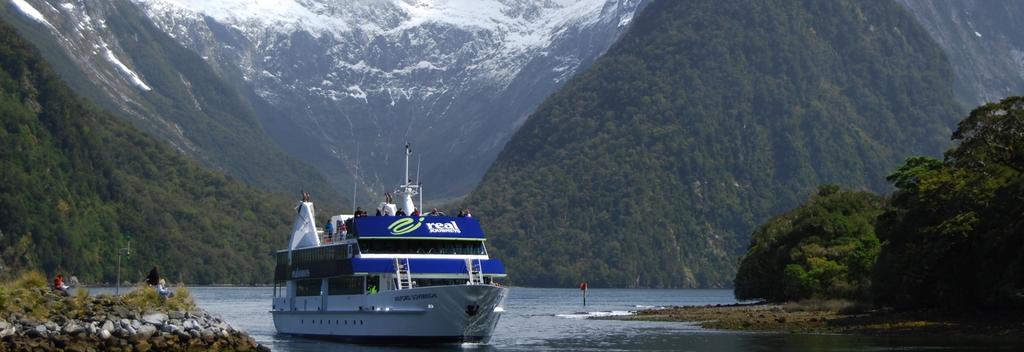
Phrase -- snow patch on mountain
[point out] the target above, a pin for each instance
(128, 73)
(31, 12)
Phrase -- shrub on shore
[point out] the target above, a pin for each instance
(824, 249)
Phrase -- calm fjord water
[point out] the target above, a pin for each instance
(551, 320)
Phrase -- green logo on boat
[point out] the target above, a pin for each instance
(405, 225)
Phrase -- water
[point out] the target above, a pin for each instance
(552, 320)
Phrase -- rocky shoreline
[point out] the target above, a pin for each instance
(836, 318)
(113, 323)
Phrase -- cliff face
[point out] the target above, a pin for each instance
(984, 41)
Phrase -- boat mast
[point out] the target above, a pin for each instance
(407, 189)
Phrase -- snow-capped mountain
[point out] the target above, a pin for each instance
(349, 82)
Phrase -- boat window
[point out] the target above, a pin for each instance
(404, 246)
(439, 282)
(345, 285)
(307, 287)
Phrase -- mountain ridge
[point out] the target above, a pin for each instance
(651, 168)
(111, 53)
(80, 183)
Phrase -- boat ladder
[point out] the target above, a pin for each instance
(475, 269)
(402, 274)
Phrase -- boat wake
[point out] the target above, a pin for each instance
(585, 315)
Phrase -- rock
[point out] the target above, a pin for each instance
(176, 315)
(155, 318)
(136, 324)
(120, 311)
(125, 323)
(60, 341)
(39, 331)
(104, 334)
(170, 328)
(146, 330)
(72, 328)
(108, 326)
(9, 331)
(51, 326)
(78, 347)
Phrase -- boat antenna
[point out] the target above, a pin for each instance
(408, 152)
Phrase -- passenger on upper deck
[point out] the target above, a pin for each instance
(329, 229)
(400, 212)
(467, 214)
(415, 212)
(435, 212)
(359, 212)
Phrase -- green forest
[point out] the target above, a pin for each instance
(951, 234)
(653, 167)
(826, 247)
(78, 183)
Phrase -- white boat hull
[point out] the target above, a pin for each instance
(458, 313)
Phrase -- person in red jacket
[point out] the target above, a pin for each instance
(58, 285)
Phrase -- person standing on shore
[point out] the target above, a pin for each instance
(58, 284)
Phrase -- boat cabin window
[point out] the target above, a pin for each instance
(438, 282)
(345, 285)
(307, 287)
(406, 246)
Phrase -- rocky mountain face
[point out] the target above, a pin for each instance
(349, 83)
(984, 41)
(111, 53)
(653, 167)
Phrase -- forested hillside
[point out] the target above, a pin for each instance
(184, 101)
(653, 167)
(951, 233)
(78, 183)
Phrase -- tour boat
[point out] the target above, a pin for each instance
(388, 279)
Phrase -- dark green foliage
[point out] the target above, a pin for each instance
(78, 183)
(652, 167)
(954, 235)
(824, 249)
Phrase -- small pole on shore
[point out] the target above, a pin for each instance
(126, 251)
(583, 287)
